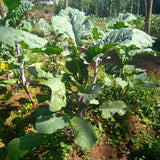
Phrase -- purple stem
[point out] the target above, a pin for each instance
(22, 73)
(7, 75)
(80, 106)
(95, 70)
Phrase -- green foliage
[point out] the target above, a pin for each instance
(49, 124)
(11, 37)
(26, 25)
(108, 96)
(11, 5)
(18, 147)
(43, 25)
(16, 11)
(85, 136)
(38, 72)
(128, 37)
(73, 24)
(91, 92)
(109, 108)
(121, 21)
(95, 33)
(58, 97)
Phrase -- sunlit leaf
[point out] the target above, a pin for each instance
(58, 97)
(109, 108)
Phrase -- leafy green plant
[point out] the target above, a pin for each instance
(74, 26)
(16, 11)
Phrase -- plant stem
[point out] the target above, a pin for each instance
(22, 73)
(7, 75)
(95, 70)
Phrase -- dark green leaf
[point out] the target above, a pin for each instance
(19, 147)
(85, 135)
(51, 123)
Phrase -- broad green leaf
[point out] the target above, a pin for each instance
(92, 52)
(19, 147)
(15, 14)
(73, 24)
(91, 92)
(141, 76)
(128, 37)
(11, 5)
(43, 25)
(121, 82)
(51, 123)
(11, 37)
(109, 108)
(85, 136)
(125, 18)
(79, 69)
(58, 97)
(26, 25)
(95, 50)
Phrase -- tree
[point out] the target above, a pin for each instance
(66, 3)
(138, 6)
(148, 15)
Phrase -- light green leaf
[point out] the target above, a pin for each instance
(11, 37)
(43, 25)
(124, 18)
(10, 81)
(19, 147)
(26, 25)
(121, 82)
(73, 24)
(109, 108)
(142, 76)
(94, 101)
(49, 124)
(108, 81)
(128, 37)
(85, 136)
(58, 97)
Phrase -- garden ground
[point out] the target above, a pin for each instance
(13, 125)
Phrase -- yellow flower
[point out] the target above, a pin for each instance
(3, 65)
